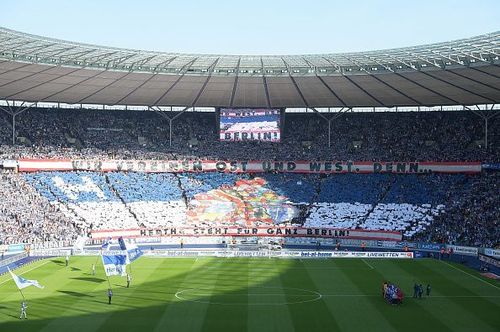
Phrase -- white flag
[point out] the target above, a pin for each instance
(23, 283)
(80, 243)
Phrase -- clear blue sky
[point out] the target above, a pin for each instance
(253, 26)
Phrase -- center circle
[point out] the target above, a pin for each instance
(256, 296)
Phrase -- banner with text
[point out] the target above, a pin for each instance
(280, 254)
(462, 250)
(489, 260)
(249, 232)
(255, 166)
(491, 252)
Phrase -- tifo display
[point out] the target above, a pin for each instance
(388, 206)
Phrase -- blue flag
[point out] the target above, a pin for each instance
(115, 265)
(133, 251)
(122, 244)
(106, 245)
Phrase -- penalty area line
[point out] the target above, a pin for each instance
(430, 297)
(33, 268)
(369, 265)
(471, 275)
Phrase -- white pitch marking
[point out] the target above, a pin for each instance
(471, 275)
(36, 267)
(432, 296)
(318, 296)
(369, 265)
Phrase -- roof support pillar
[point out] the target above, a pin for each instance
(486, 133)
(170, 120)
(14, 113)
(336, 116)
(330, 119)
(193, 104)
(170, 132)
(329, 132)
(13, 129)
(485, 115)
(10, 113)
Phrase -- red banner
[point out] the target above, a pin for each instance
(254, 166)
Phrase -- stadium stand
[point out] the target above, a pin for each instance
(153, 199)
(436, 136)
(473, 213)
(456, 208)
(26, 216)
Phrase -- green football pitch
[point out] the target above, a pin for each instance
(250, 294)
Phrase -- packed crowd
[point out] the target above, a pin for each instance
(460, 209)
(26, 216)
(436, 136)
(58, 206)
(473, 213)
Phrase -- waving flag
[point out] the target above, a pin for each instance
(106, 245)
(115, 265)
(23, 283)
(133, 251)
(80, 243)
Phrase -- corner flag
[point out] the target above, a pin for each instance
(23, 283)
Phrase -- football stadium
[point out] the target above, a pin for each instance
(160, 191)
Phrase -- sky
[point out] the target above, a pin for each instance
(253, 26)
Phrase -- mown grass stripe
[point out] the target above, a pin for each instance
(410, 314)
(470, 312)
(59, 306)
(353, 313)
(230, 279)
(310, 316)
(263, 279)
(143, 317)
(89, 293)
(179, 315)
(72, 302)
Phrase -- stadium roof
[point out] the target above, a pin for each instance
(461, 72)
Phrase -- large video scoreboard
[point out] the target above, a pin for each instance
(245, 124)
